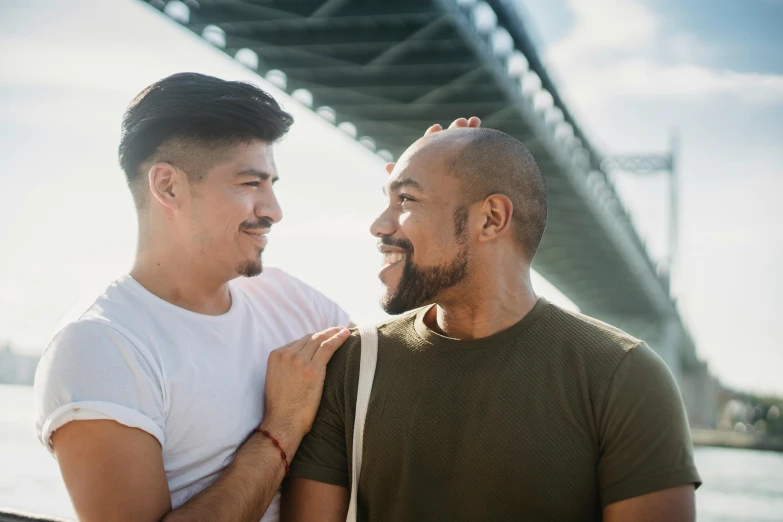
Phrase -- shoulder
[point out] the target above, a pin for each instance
(121, 306)
(345, 361)
(98, 303)
(396, 329)
(347, 357)
(112, 324)
(588, 335)
(90, 344)
(98, 315)
(587, 350)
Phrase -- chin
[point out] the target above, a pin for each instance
(393, 305)
(250, 268)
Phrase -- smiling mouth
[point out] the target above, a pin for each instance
(258, 236)
(391, 258)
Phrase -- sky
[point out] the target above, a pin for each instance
(632, 71)
(629, 70)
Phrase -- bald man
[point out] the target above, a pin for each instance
(489, 402)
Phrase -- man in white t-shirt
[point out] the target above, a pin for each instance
(150, 395)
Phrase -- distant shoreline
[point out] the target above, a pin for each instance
(733, 439)
(700, 437)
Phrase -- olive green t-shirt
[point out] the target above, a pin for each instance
(551, 419)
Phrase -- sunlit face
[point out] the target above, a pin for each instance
(233, 209)
(422, 232)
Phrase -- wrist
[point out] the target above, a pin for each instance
(285, 434)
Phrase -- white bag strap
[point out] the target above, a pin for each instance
(369, 356)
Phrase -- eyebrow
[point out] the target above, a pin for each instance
(397, 184)
(260, 174)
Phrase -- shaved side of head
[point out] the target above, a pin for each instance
(194, 122)
(486, 162)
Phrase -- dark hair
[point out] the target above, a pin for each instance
(200, 111)
(492, 162)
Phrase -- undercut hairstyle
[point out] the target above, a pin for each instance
(492, 162)
(191, 121)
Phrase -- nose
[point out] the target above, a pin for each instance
(384, 225)
(268, 208)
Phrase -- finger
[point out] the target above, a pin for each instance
(310, 347)
(295, 346)
(328, 347)
(389, 167)
(474, 122)
(459, 122)
(434, 128)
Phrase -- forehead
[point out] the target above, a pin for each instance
(253, 155)
(425, 169)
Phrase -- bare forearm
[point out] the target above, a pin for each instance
(247, 486)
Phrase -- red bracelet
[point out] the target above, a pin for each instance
(277, 445)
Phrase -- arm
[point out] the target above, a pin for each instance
(111, 471)
(306, 500)
(114, 472)
(319, 485)
(247, 486)
(676, 504)
(646, 470)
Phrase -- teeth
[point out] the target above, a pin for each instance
(392, 257)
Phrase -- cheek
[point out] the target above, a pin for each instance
(233, 209)
(425, 232)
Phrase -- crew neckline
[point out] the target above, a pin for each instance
(142, 292)
(442, 341)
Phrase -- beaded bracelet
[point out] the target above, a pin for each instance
(277, 445)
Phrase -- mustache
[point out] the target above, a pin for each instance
(399, 243)
(252, 225)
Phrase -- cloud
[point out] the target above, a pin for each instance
(601, 25)
(616, 48)
(644, 78)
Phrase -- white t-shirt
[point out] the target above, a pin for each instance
(195, 382)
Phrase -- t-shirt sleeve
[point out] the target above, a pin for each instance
(91, 371)
(322, 456)
(645, 443)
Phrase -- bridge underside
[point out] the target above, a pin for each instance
(392, 68)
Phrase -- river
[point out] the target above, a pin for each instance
(739, 485)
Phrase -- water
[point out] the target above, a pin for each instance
(739, 485)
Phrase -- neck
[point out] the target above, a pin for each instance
(485, 307)
(179, 278)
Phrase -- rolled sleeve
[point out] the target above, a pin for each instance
(96, 410)
(91, 371)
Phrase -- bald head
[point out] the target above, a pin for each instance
(486, 162)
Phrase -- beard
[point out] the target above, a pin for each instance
(250, 268)
(419, 285)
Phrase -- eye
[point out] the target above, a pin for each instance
(404, 198)
(252, 184)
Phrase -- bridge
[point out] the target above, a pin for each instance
(381, 71)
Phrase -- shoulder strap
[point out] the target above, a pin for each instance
(369, 356)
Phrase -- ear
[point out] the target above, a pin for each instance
(167, 184)
(497, 210)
